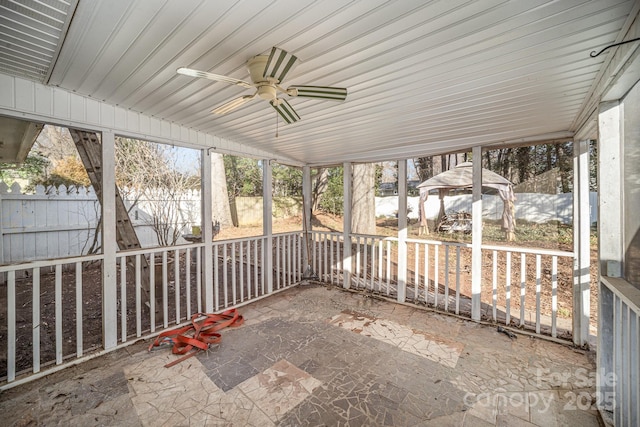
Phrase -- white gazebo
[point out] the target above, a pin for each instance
(462, 177)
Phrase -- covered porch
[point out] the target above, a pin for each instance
(354, 321)
(320, 355)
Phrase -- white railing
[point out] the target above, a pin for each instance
(158, 288)
(326, 255)
(618, 388)
(520, 286)
(53, 320)
(287, 259)
(44, 304)
(374, 264)
(529, 287)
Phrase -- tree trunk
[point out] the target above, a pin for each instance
(320, 184)
(221, 210)
(363, 203)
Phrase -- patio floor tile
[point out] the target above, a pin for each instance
(316, 356)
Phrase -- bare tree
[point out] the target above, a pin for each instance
(363, 220)
(149, 178)
(320, 184)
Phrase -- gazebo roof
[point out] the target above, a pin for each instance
(462, 177)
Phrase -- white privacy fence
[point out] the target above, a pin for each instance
(61, 221)
(532, 207)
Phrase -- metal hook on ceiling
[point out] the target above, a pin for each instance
(593, 53)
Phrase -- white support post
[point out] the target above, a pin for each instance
(476, 236)
(402, 231)
(347, 264)
(306, 206)
(610, 242)
(207, 232)
(581, 244)
(267, 222)
(109, 244)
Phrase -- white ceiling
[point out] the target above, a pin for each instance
(424, 77)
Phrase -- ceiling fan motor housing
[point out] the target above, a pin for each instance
(266, 86)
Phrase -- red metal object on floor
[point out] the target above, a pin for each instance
(202, 332)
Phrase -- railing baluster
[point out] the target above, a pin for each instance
(152, 291)
(436, 273)
(494, 286)
(426, 273)
(457, 279)
(35, 300)
(373, 263)
(538, 284)
(11, 325)
(446, 278)
(358, 258)
(523, 284)
(249, 269)
(278, 269)
(290, 253)
(554, 295)
(241, 271)
(123, 298)
(234, 291)
(326, 257)
(176, 281)
(255, 267)
(332, 245)
(380, 262)
(314, 242)
(138, 297)
(216, 280)
(508, 290)
(79, 318)
(365, 262)
(263, 264)
(58, 309)
(165, 290)
(225, 288)
(416, 271)
(388, 267)
(300, 268)
(187, 280)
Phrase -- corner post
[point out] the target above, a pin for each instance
(306, 217)
(581, 244)
(267, 221)
(207, 232)
(402, 231)
(476, 236)
(346, 236)
(109, 244)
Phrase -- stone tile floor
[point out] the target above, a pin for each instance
(318, 356)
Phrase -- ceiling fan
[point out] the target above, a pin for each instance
(267, 73)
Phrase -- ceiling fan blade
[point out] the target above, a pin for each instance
(233, 104)
(285, 110)
(323, 92)
(279, 64)
(217, 77)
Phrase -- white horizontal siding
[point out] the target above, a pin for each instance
(33, 101)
